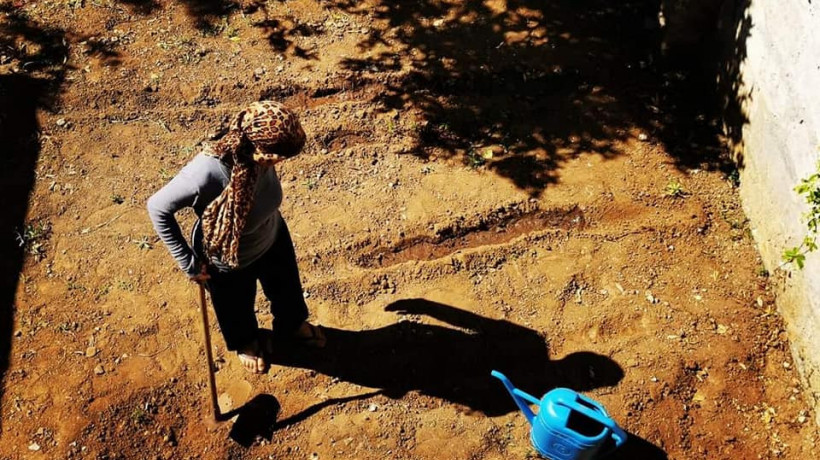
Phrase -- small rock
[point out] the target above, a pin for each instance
(18, 333)
(61, 122)
(34, 446)
(99, 370)
(90, 351)
(373, 408)
(642, 137)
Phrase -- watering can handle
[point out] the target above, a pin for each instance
(618, 433)
(517, 396)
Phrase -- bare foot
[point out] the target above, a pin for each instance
(310, 335)
(252, 358)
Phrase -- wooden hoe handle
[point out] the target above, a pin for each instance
(208, 354)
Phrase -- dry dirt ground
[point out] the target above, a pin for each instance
(517, 185)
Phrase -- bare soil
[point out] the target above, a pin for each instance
(513, 185)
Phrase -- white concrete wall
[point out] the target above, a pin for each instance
(781, 145)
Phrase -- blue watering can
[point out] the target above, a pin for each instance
(569, 426)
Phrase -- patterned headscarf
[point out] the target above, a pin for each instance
(266, 129)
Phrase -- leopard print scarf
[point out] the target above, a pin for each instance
(263, 131)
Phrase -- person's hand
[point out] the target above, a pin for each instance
(202, 276)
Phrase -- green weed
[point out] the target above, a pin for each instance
(810, 188)
(675, 189)
(144, 243)
(124, 285)
(165, 175)
(475, 159)
(68, 327)
(734, 178)
(213, 29)
(75, 286)
(140, 417)
(32, 238)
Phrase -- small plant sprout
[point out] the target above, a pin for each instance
(116, 198)
(675, 189)
(810, 188)
(734, 178)
(75, 286)
(143, 243)
(125, 285)
(232, 33)
(164, 174)
(140, 416)
(475, 158)
(32, 238)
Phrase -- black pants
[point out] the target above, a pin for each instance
(233, 294)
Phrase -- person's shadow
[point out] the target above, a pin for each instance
(450, 362)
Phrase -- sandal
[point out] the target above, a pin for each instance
(315, 338)
(252, 358)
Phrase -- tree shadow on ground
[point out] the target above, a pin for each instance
(211, 17)
(733, 29)
(31, 76)
(142, 7)
(208, 15)
(704, 94)
(524, 86)
(453, 361)
(542, 82)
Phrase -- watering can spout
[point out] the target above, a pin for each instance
(521, 399)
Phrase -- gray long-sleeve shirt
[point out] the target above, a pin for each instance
(196, 185)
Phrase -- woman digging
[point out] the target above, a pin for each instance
(240, 236)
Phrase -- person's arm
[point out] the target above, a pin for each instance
(180, 193)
